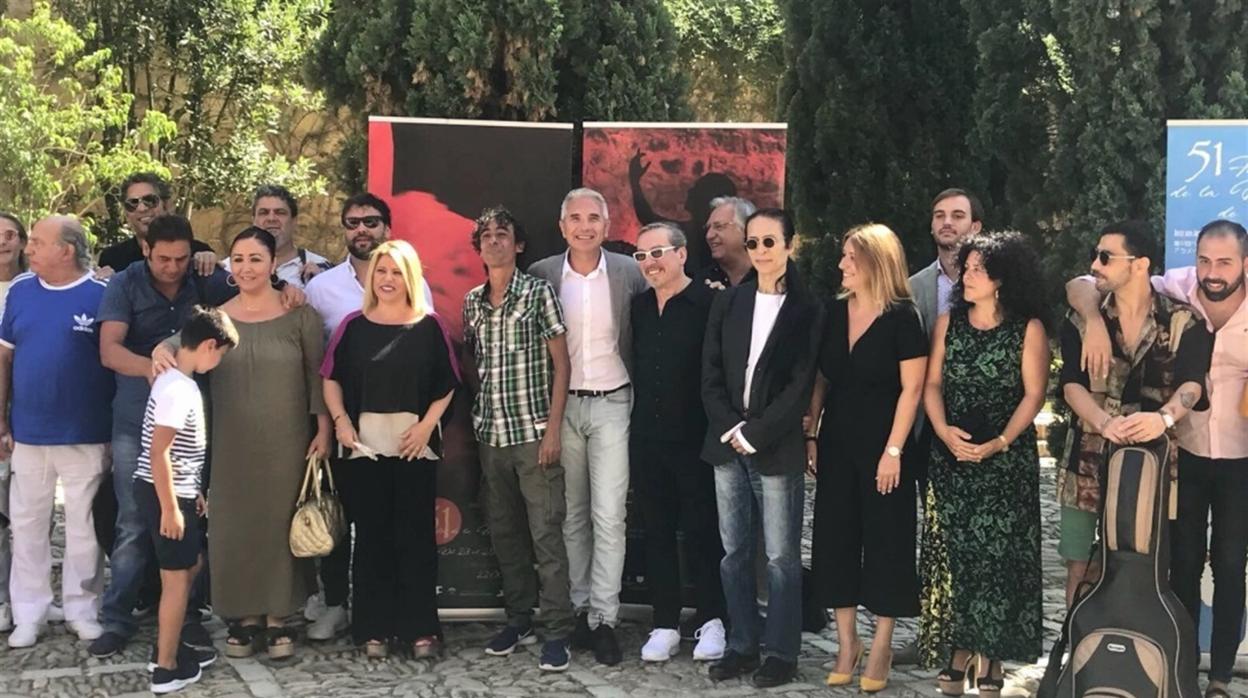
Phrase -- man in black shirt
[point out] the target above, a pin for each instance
(725, 237)
(144, 196)
(675, 488)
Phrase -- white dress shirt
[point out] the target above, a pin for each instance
(336, 293)
(593, 338)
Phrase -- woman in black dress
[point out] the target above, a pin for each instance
(388, 382)
(870, 379)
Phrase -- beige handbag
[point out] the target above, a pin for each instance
(319, 522)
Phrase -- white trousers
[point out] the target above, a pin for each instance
(80, 468)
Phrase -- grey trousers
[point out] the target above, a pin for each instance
(525, 508)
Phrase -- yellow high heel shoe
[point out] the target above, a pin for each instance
(870, 685)
(836, 678)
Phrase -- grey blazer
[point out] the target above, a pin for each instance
(924, 286)
(625, 281)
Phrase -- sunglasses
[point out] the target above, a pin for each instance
(653, 253)
(147, 200)
(1105, 255)
(753, 243)
(354, 222)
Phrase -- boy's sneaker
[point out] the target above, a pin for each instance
(711, 641)
(663, 644)
(505, 642)
(56, 614)
(107, 645)
(203, 656)
(170, 680)
(25, 635)
(332, 621)
(195, 634)
(315, 607)
(555, 656)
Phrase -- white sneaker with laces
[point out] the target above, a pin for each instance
(85, 629)
(711, 641)
(25, 635)
(663, 644)
(333, 620)
(6, 617)
(315, 607)
(56, 614)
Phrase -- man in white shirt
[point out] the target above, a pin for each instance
(596, 288)
(336, 294)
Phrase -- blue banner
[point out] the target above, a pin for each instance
(1206, 179)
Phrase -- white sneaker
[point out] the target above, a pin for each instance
(6, 617)
(85, 629)
(711, 641)
(333, 620)
(663, 644)
(56, 614)
(25, 635)
(315, 607)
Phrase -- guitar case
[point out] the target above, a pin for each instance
(1129, 635)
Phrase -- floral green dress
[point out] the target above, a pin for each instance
(980, 560)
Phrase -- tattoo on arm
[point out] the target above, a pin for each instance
(1188, 398)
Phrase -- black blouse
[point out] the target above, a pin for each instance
(864, 384)
(390, 368)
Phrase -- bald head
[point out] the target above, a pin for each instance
(58, 248)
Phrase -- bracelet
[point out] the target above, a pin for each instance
(1005, 444)
(812, 437)
(339, 417)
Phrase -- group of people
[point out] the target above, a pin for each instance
(716, 391)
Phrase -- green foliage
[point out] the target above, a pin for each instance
(228, 75)
(58, 98)
(527, 60)
(877, 98)
(733, 51)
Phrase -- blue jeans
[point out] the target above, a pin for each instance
(132, 547)
(745, 497)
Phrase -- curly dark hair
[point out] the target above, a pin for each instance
(1008, 258)
(498, 215)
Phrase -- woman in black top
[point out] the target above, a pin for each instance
(871, 370)
(389, 379)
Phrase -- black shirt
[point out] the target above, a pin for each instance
(127, 252)
(390, 368)
(667, 364)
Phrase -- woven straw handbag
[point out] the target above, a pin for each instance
(319, 522)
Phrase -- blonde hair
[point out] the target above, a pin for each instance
(405, 257)
(879, 254)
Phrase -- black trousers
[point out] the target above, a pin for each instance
(396, 558)
(1219, 486)
(335, 567)
(677, 491)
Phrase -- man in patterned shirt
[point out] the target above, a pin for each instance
(514, 325)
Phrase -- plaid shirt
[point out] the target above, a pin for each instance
(509, 343)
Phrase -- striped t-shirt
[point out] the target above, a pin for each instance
(175, 401)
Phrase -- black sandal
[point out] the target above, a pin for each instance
(240, 643)
(953, 682)
(278, 649)
(990, 686)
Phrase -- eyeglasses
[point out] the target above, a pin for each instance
(147, 200)
(369, 222)
(654, 252)
(1105, 255)
(753, 243)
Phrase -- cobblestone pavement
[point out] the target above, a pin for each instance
(60, 666)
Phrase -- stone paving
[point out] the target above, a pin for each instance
(60, 666)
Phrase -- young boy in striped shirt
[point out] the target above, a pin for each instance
(167, 488)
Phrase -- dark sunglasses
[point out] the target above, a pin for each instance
(753, 243)
(148, 201)
(1105, 255)
(369, 222)
(654, 253)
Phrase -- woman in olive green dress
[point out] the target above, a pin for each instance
(986, 380)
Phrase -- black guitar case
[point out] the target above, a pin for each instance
(1129, 635)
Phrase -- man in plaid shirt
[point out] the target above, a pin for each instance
(514, 325)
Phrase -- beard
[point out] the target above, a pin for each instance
(1226, 290)
(363, 253)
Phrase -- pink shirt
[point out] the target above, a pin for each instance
(1220, 431)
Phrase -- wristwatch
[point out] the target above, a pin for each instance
(893, 452)
(1167, 418)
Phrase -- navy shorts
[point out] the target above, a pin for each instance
(170, 554)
